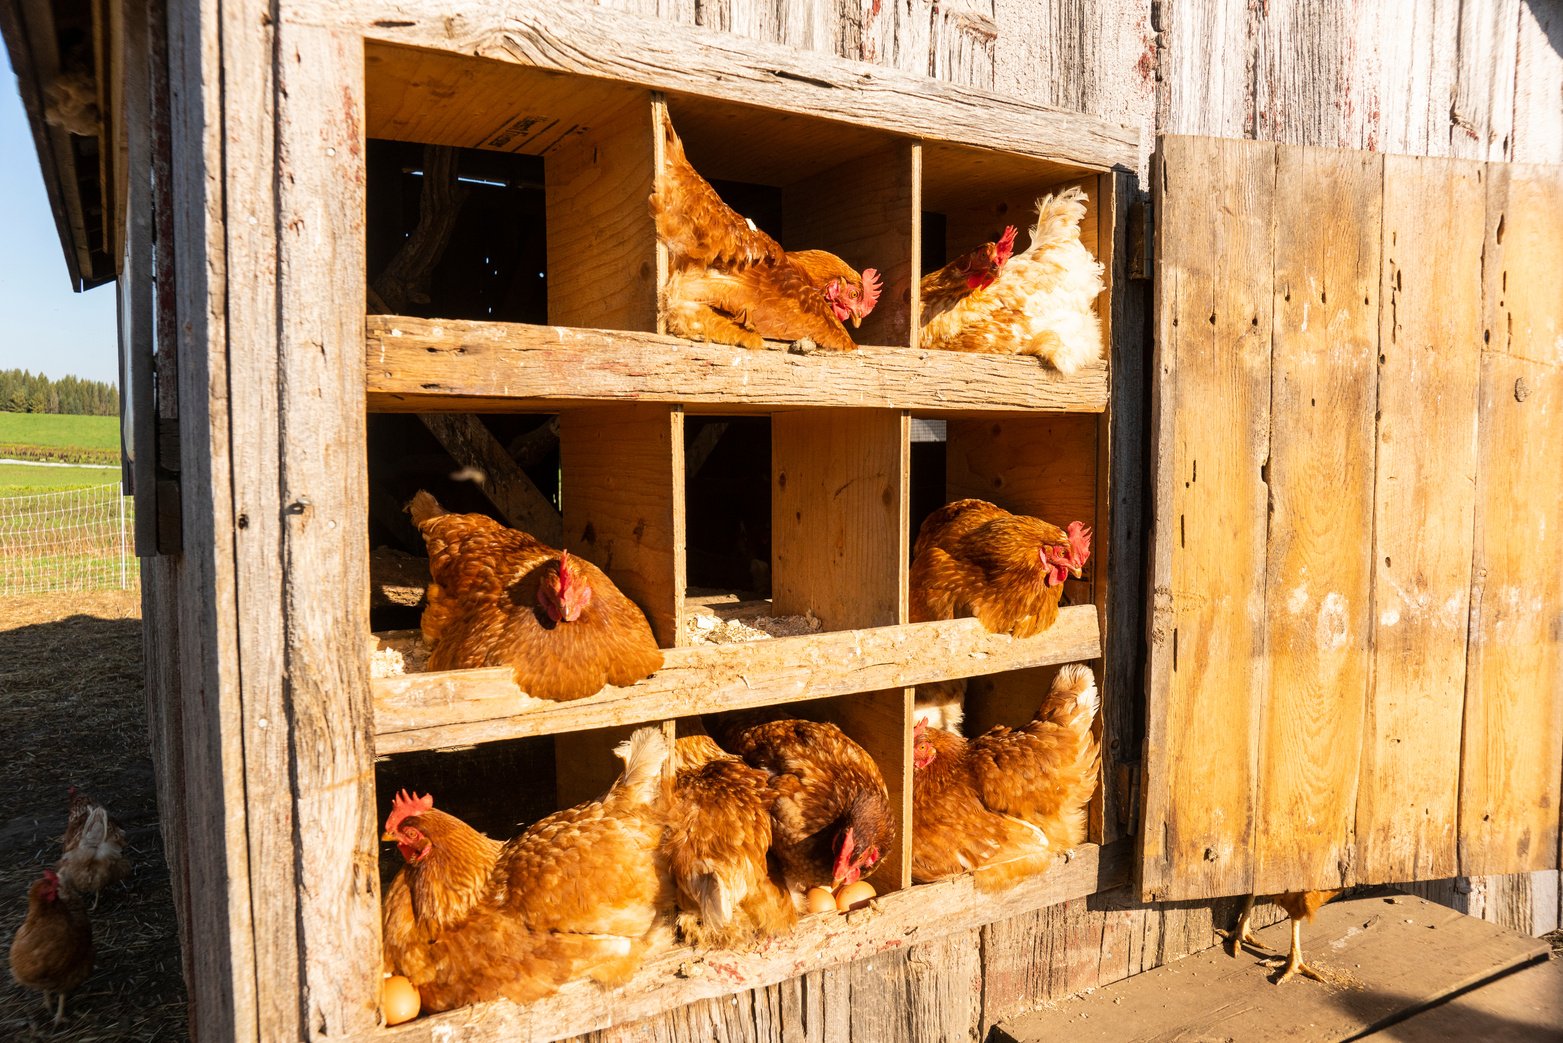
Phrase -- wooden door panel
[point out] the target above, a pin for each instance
(1356, 646)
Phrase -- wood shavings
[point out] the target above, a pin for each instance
(707, 628)
(398, 657)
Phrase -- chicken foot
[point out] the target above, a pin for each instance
(1242, 933)
(1294, 959)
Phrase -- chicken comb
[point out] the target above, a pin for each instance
(919, 730)
(1006, 243)
(1079, 542)
(405, 806)
(871, 288)
(565, 575)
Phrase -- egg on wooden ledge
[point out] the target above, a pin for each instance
(820, 900)
(854, 895)
(399, 999)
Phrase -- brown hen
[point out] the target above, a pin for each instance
(941, 290)
(92, 853)
(581, 893)
(830, 809)
(718, 843)
(52, 950)
(1008, 570)
(1010, 799)
(498, 597)
(731, 283)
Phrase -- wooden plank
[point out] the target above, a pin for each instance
(917, 915)
(322, 499)
(1211, 428)
(564, 37)
(1524, 1006)
(1319, 573)
(458, 707)
(222, 987)
(622, 491)
(507, 487)
(839, 543)
(1513, 739)
(1397, 952)
(601, 240)
(426, 365)
(1424, 500)
(137, 333)
(866, 211)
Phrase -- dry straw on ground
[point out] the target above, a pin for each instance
(73, 712)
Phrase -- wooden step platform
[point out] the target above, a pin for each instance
(1391, 957)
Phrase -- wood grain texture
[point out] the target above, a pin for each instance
(908, 918)
(1429, 344)
(1513, 724)
(840, 486)
(513, 494)
(422, 365)
(1212, 422)
(622, 493)
(602, 245)
(562, 37)
(458, 707)
(1319, 563)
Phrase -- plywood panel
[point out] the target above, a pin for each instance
(622, 497)
(1424, 499)
(602, 245)
(1509, 793)
(1207, 641)
(867, 212)
(1319, 554)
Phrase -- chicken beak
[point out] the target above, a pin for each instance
(388, 836)
(1074, 570)
(857, 320)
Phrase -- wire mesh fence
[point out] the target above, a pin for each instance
(75, 539)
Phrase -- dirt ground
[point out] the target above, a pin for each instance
(72, 713)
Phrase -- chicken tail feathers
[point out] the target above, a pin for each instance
(643, 755)
(1075, 688)
(423, 507)
(1058, 218)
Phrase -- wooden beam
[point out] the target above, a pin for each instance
(567, 37)
(683, 975)
(460, 707)
(431, 365)
(513, 494)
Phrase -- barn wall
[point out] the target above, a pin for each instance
(1479, 79)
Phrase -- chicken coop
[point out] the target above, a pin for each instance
(1320, 454)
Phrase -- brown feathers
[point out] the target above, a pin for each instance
(498, 597)
(581, 893)
(733, 284)
(975, 559)
(1010, 797)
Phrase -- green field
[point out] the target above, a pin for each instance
(50, 429)
(19, 479)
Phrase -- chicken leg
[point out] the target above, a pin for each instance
(1242, 933)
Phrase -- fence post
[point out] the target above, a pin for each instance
(122, 584)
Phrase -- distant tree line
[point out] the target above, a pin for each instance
(24, 392)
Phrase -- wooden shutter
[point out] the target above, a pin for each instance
(1356, 648)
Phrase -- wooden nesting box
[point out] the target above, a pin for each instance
(1353, 668)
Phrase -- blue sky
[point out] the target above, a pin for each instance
(49, 327)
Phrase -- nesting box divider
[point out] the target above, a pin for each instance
(622, 496)
(867, 211)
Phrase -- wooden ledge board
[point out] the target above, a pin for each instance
(425, 365)
(918, 914)
(1393, 953)
(1524, 1006)
(442, 709)
(691, 60)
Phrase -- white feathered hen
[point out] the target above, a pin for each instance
(1040, 302)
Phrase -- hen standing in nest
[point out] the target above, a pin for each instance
(731, 283)
(1038, 302)
(498, 597)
